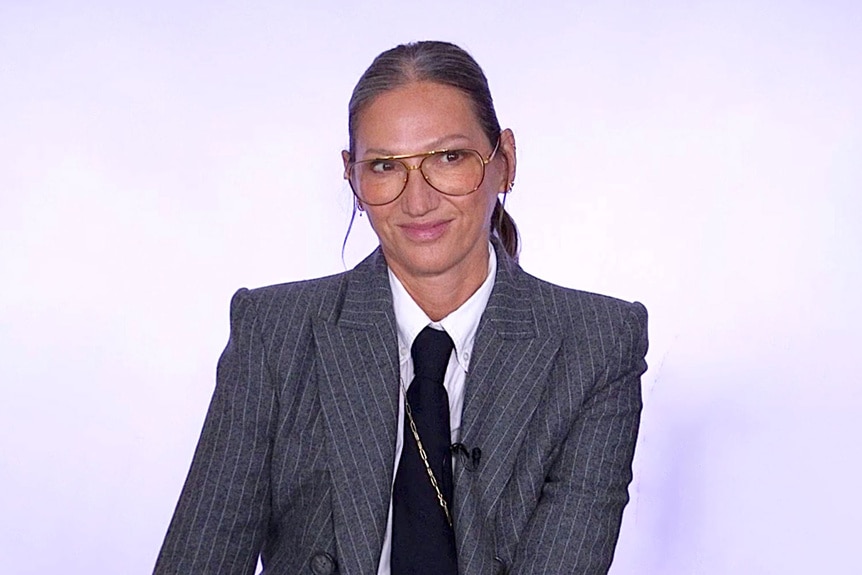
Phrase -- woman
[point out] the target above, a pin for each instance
(435, 409)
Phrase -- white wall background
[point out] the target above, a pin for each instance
(702, 157)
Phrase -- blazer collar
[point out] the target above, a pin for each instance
(509, 313)
(367, 298)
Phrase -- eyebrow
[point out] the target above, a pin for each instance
(438, 144)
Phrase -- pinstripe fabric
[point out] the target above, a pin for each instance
(297, 451)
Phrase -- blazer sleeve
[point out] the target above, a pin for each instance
(575, 526)
(220, 521)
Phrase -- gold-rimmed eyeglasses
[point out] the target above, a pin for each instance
(380, 181)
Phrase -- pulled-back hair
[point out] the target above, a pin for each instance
(441, 63)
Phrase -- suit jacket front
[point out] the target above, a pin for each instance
(296, 456)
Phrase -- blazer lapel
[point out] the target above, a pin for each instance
(358, 371)
(511, 358)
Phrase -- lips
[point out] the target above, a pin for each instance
(426, 231)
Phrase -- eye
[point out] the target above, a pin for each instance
(382, 166)
(452, 156)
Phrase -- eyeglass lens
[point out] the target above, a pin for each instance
(453, 172)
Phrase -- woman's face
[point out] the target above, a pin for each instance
(425, 234)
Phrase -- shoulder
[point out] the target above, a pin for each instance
(587, 320)
(579, 305)
(288, 306)
(556, 309)
(311, 295)
(324, 297)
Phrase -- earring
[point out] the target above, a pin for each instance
(511, 185)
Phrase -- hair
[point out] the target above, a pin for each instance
(441, 63)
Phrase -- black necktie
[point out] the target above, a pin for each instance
(423, 541)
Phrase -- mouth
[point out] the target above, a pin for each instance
(426, 231)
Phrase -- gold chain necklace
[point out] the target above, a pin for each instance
(424, 456)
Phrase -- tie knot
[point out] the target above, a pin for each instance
(431, 350)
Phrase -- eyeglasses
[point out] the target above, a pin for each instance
(380, 181)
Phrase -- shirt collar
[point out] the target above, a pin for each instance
(461, 324)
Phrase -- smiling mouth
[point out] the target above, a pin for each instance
(425, 232)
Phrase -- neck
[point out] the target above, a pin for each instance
(440, 295)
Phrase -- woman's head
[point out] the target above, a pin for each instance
(411, 79)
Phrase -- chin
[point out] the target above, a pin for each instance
(426, 264)
(427, 261)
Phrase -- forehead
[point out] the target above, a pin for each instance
(410, 118)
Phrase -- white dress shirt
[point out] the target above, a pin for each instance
(461, 325)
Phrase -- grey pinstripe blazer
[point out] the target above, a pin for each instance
(295, 460)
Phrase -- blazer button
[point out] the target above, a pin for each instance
(500, 567)
(322, 563)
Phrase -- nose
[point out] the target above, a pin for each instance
(418, 197)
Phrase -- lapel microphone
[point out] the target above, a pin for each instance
(471, 458)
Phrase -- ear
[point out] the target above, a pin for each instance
(345, 157)
(507, 147)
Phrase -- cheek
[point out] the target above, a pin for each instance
(381, 219)
(374, 217)
(486, 203)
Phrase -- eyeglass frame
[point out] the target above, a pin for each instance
(409, 168)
